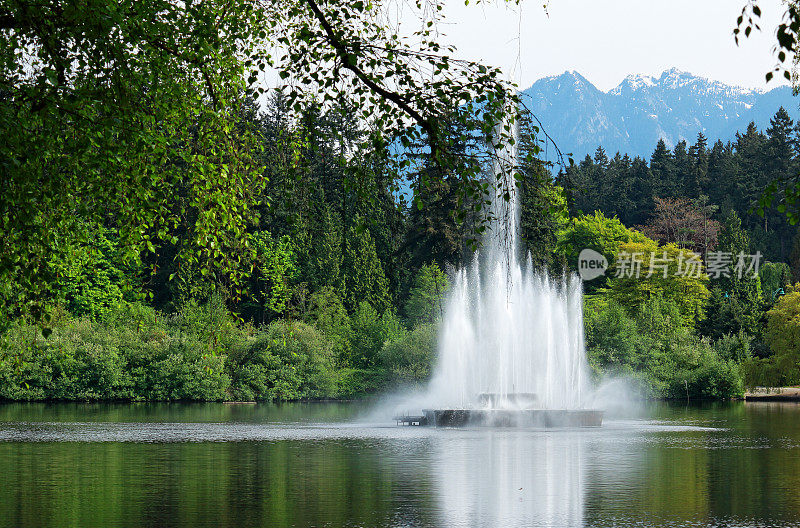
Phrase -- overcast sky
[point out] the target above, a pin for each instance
(605, 40)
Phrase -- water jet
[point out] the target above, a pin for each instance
(511, 343)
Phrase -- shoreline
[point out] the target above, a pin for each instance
(775, 394)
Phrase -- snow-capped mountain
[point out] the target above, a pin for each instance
(633, 116)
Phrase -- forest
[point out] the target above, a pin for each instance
(171, 229)
(341, 285)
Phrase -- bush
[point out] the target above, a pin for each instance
(655, 345)
(369, 333)
(763, 372)
(288, 361)
(715, 379)
(354, 383)
(136, 357)
(408, 359)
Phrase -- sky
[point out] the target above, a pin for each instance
(606, 40)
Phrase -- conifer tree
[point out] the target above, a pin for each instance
(364, 278)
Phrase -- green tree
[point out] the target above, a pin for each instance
(735, 304)
(596, 232)
(274, 267)
(633, 284)
(370, 331)
(132, 110)
(783, 335)
(427, 297)
(542, 205)
(90, 276)
(364, 278)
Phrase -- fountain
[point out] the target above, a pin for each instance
(511, 349)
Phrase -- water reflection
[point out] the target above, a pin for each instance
(511, 478)
(269, 466)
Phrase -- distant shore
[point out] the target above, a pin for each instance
(773, 394)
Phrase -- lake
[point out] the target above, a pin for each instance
(336, 464)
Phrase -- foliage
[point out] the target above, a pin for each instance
(682, 194)
(660, 277)
(715, 379)
(427, 297)
(129, 108)
(409, 358)
(654, 343)
(136, 108)
(370, 330)
(782, 334)
(274, 268)
(597, 232)
(288, 361)
(89, 276)
(143, 357)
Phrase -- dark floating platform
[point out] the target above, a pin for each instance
(513, 418)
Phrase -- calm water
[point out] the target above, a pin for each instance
(331, 465)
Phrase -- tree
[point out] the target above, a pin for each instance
(662, 167)
(683, 223)
(427, 297)
(132, 110)
(90, 277)
(129, 107)
(662, 272)
(734, 307)
(364, 279)
(783, 335)
(274, 267)
(775, 276)
(542, 205)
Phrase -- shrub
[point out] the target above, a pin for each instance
(763, 372)
(354, 383)
(369, 333)
(408, 359)
(288, 361)
(120, 358)
(654, 344)
(715, 379)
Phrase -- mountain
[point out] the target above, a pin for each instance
(633, 116)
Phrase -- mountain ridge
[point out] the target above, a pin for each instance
(631, 117)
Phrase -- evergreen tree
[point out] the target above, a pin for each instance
(735, 303)
(662, 169)
(543, 208)
(699, 158)
(364, 278)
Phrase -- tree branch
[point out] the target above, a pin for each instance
(394, 97)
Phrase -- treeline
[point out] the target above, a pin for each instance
(335, 286)
(733, 325)
(718, 178)
(333, 290)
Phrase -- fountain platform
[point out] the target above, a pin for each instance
(513, 418)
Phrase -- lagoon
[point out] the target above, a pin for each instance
(342, 464)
